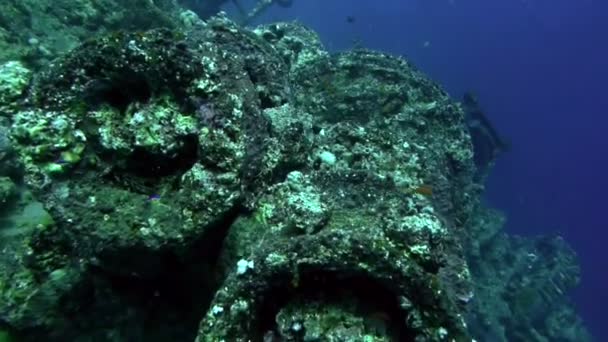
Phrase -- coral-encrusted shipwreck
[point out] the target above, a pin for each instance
(251, 180)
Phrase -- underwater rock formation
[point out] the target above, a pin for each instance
(36, 31)
(520, 285)
(221, 184)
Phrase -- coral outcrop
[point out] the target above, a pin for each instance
(223, 184)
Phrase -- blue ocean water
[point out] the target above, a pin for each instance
(540, 70)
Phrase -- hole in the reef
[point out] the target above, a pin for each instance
(147, 165)
(177, 291)
(370, 296)
(118, 91)
(265, 101)
(168, 304)
(251, 72)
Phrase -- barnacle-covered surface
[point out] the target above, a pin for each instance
(296, 44)
(221, 184)
(354, 202)
(141, 146)
(123, 139)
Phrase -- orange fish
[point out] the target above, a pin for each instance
(424, 189)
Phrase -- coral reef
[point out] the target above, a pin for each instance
(37, 31)
(520, 285)
(14, 78)
(214, 183)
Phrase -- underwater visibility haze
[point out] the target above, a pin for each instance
(303, 170)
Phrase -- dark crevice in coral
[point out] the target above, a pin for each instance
(119, 91)
(143, 164)
(264, 97)
(170, 301)
(370, 297)
(266, 102)
(180, 292)
(145, 173)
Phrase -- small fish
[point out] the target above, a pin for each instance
(465, 298)
(424, 189)
(154, 197)
(350, 19)
(60, 161)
